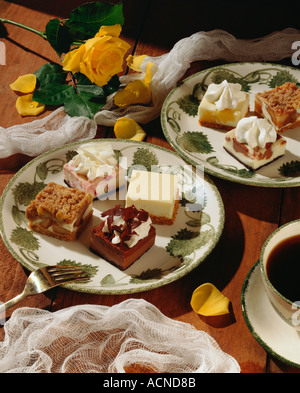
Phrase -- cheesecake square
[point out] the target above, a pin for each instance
(280, 106)
(223, 105)
(59, 212)
(254, 143)
(156, 193)
(124, 235)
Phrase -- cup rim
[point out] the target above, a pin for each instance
(262, 267)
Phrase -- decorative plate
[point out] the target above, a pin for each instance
(272, 333)
(204, 146)
(178, 249)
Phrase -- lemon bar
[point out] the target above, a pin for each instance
(223, 105)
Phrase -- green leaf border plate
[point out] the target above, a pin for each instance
(179, 248)
(278, 338)
(204, 146)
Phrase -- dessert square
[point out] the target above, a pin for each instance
(123, 236)
(223, 105)
(254, 143)
(156, 193)
(95, 169)
(59, 212)
(280, 106)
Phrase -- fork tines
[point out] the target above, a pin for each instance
(63, 273)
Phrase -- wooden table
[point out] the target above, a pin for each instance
(252, 213)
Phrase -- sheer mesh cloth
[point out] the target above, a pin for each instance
(133, 334)
(58, 128)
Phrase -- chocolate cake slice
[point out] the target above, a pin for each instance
(123, 236)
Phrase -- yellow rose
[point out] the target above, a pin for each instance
(100, 57)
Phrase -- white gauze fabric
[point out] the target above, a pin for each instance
(101, 339)
(58, 128)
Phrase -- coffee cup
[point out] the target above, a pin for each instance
(280, 270)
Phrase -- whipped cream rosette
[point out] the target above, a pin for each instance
(223, 105)
(254, 142)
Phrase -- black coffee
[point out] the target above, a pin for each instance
(283, 268)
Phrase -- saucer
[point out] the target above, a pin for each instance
(267, 327)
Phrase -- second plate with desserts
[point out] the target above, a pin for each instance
(203, 146)
(179, 248)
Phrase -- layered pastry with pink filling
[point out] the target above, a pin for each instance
(95, 169)
(254, 142)
(123, 236)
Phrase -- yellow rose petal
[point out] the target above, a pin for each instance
(26, 107)
(126, 128)
(24, 84)
(136, 92)
(134, 62)
(207, 300)
(148, 74)
(114, 31)
(72, 59)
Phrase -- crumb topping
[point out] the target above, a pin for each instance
(60, 203)
(284, 99)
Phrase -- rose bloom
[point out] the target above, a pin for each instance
(100, 57)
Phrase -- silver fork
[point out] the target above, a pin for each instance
(45, 278)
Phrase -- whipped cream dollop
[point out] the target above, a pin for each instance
(126, 225)
(255, 131)
(96, 159)
(225, 95)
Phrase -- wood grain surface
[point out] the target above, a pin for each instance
(251, 213)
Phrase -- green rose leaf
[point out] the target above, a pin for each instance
(85, 21)
(76, 105)
(53, 94)
(50, 72)
(82, 98)
(86, 102)
(112, 85)
(90, 91)
(58, 36)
